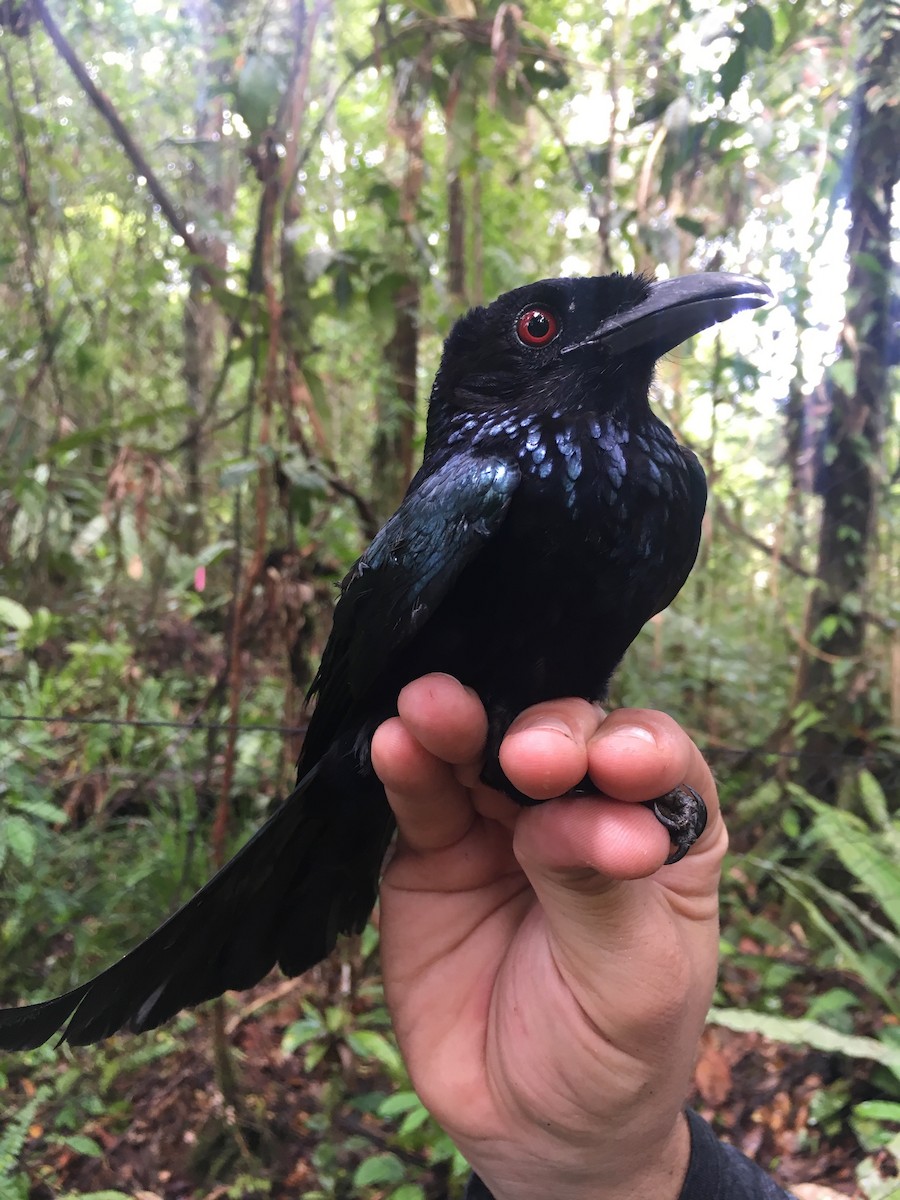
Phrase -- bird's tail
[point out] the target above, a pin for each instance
(309, 873)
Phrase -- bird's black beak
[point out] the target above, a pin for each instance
(675, 310)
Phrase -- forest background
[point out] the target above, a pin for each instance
(232, 237)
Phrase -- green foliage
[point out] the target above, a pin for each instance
(320, 1033)
(13, 1183)
(140, 443)
(54, 876)
(804, 1032)
(67, 1097)
(856, 931)
(106, 1194)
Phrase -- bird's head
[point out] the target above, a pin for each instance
(563, 344)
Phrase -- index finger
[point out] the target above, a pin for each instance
(441, 725)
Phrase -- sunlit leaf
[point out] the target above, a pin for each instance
(13, 614)
(801, 1032)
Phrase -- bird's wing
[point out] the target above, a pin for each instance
(692, 525)
(446, 518)
(226, 936)
(308, 873)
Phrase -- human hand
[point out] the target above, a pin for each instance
(548, 977)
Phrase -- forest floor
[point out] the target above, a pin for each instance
(149, 1119)
(167, 1133)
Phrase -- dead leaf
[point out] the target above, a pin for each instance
(713, 1072)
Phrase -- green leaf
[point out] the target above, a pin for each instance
(399, 1103)
(90, 535)
(758, 28)
(408, 1191)
(112, 430)
(807, 720)
(20, 837)
(367, 1043)
(42, 809)
(793, 1031)
(303, 476)
(382, 295)
(878, 1110)
(829, 1103)
(691, 226)
(413, 1121)
(237, 472)
(718, 130)
(382, 1168)
(858, 850)
(335, 1018)
(843, 374)
(209, 554)
(257, 90)
(835, 1001)
(873, 798)
(314, 1055)
(107, 1195)
(13, 614)
(875, 1124)
(85, 358)
(733, 71)
(300, 1033)
(868, 262)
(827, 628)
(799, 885)
(80, 1143)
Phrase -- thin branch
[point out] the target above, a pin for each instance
(50, 332)
(471, 31)
(295, 102)
(104, 106)
(294, 107)
(886, 624)
(556, 129)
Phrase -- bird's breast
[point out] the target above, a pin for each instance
(597, 481)
(580, 562)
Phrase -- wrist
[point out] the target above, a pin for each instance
(657, 1168)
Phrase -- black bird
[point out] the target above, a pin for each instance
(552, 516)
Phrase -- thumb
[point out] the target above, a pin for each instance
(589, 861)
(637, 964)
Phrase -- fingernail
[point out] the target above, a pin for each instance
(637, 732)
(544, 724)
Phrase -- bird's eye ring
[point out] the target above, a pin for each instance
(537, 327)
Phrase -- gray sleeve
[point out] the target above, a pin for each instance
(716, 1171)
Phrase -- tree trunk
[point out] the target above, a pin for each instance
(456, 240)
(393, 447)
(204, 324)
(831, 675)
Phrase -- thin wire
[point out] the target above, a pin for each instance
(151, 723)
(189, 726)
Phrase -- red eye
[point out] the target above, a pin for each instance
(537, 327)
